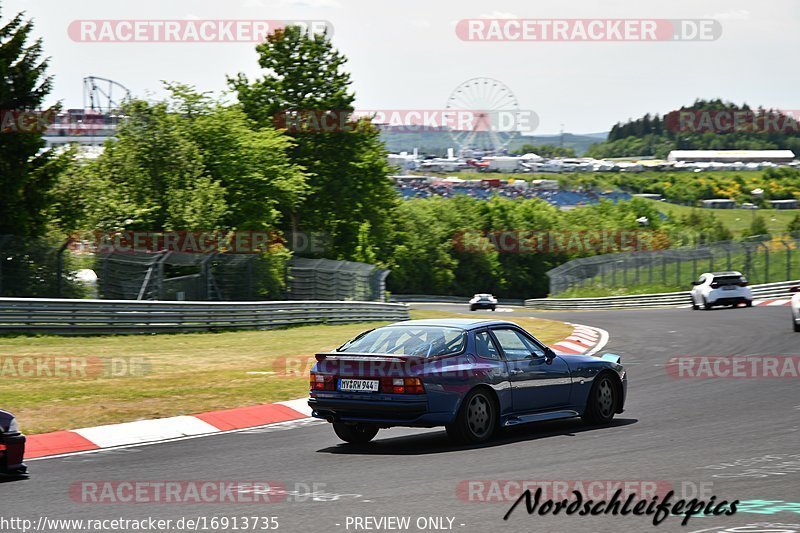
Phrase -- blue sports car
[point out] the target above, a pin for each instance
(470, 376)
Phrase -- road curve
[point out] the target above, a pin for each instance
(694, 433)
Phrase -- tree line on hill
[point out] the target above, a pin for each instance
(705, 125)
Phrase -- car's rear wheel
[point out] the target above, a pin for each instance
(706, 306)
(471, 307)
(602, 402)
(355, 433)
(476, 420)
(749, 303)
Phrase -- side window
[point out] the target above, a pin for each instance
(485, 346)
(514, 346)
(532, 346)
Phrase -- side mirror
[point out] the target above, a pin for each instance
(695, 283)
(549, 355)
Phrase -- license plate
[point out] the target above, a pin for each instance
(729, 287)
(358, 385)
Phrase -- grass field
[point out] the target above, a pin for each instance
(737, 220)
(175, 374)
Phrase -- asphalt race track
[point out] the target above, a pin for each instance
(733, 438)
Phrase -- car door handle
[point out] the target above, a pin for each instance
(516, 371)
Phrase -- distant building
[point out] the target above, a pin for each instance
(783, 204)
(731, 156)
(719, 203)
(84, 127)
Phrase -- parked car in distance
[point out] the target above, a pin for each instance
(12, 446)
(721, 288)
(796, 308)
(483, 301)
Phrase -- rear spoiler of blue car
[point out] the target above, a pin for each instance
(612, 357)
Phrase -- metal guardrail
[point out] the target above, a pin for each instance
(665, 299)
(81, 317)
(431, 298)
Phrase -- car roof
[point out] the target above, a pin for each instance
(728, 273)
(461, 323)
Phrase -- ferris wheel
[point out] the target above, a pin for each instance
(494, 110)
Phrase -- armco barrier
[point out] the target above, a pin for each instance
(431, 298)
(81, 317)
(664, 299)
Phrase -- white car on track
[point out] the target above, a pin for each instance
(721, 288)
(796, 308)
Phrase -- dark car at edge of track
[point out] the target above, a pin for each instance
(12, 446)
(470, 376)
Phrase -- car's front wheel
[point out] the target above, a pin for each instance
(355, 433)
(476, 420)
(602, 402)
(796, 325)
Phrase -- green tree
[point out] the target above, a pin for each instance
(347, 169)
(794, 225)
(151, 178)
(250, 163)
(26, 173)
(757, 227)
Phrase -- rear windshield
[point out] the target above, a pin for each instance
(728, 280)
(424, 341)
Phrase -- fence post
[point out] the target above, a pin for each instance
(624, 273)
(747, 262)
(60, 266)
